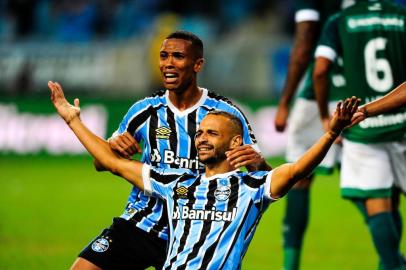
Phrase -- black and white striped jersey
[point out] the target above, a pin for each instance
(167, 136)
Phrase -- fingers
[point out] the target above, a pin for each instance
(76, 102)
(243, 156)
(125, 145)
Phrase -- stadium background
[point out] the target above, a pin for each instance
(106, 52)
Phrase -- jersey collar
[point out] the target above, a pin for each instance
(189, 110)
(220, 175)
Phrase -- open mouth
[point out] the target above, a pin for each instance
(204, 148)
(170, 77)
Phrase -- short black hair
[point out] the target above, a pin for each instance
(197, 43)
(235, 121)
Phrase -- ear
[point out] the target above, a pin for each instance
(198, 65)
(236, 141)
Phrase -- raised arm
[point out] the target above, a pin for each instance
(130, 170)
(285, 176)
(391, 101)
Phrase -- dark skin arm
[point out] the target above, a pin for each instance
(246, 156)
(391, 101)
(321, 87)
(301, 54)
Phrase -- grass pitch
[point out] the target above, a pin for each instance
(51, 207)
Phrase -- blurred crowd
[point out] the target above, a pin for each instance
(87, 20)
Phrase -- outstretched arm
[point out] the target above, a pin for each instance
(285, 176)
(131, 170)
(392, 101)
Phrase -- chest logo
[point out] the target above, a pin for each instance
(181, 192)
(163, 133)
(222, 193)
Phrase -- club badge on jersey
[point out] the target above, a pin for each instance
(101, 244)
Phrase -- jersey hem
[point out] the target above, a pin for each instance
(365, 194)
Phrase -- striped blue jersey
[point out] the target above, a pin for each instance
(212, 219)
(167, 136)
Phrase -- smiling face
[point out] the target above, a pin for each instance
(215, 136)
(178, 64)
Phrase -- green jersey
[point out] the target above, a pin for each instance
(371, 38)
(319, 11)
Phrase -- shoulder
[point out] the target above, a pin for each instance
(155, 100)
(254, 179)
(215, 101)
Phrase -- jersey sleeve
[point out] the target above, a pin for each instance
(329, 44)
(306, 10)
(260, 185)
(159, 182)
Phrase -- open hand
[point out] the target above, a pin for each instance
(67, 111)
(342, 116)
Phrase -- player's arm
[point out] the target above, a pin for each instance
(285, 176)
(321, 87)
(391, 101)
(300, 56)
(124, 145)
(129, 169)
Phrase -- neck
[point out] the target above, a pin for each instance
(183, 100)
(218, 168)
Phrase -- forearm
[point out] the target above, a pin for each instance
(287, 175)
(312, 158)
(105, 157)
(321, 86)
(393, 100)
(300, 58)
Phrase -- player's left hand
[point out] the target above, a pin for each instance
(67, 111)
(245, 155)
(343, 114)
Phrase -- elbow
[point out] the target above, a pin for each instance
(319, 74)
(98, 166)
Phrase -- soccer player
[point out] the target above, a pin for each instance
(165, 123)
(304, 126)
(371, 38)
(213, 215)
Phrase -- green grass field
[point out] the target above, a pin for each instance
(50, 208)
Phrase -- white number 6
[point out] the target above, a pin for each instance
(378, 71)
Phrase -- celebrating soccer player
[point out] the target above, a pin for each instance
(213, 215)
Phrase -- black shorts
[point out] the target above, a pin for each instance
(125, 246)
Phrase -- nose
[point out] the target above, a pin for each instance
(168, 61)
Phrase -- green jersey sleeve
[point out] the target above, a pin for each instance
(329, 45)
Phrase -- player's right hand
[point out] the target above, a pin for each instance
(125, 145)
(343, 114)
(67, 111)
(281, 118)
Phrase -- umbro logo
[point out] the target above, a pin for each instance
(181, 192)
(163, 133)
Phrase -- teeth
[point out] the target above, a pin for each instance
(170, 75)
